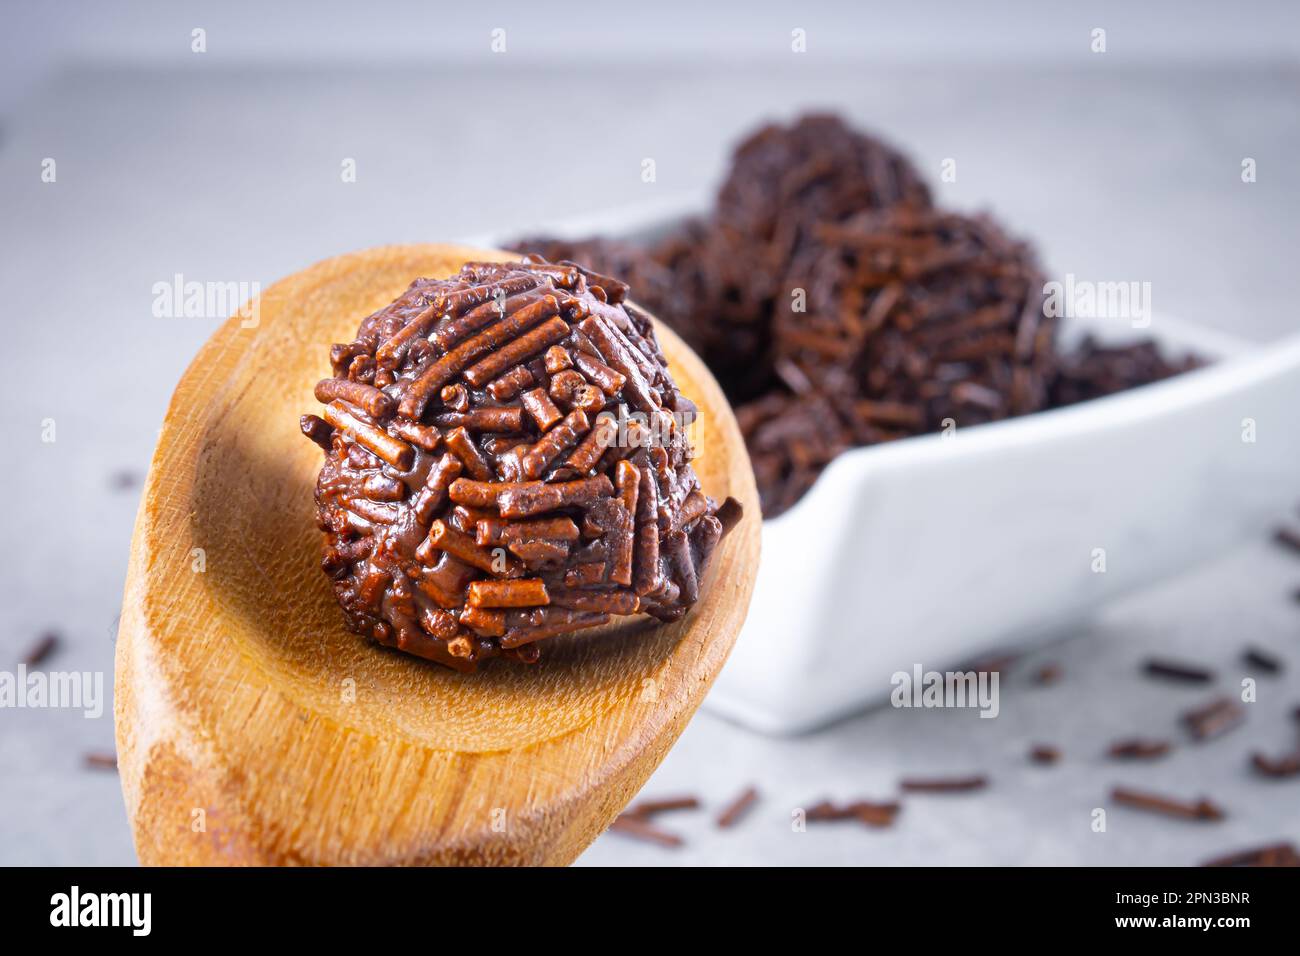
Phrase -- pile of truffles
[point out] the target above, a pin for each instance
(838, 306)
(507, 459)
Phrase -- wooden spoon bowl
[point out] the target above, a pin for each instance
(252, 728)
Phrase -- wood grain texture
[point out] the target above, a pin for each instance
(252, 728)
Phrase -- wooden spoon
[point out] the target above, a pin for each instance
(252, 728)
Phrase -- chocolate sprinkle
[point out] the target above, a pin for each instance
(1287, 765)
(1049, 674)
(738, 808)
(1262, 660)
(1173, 670)
(642, 829)
(1288, 538)
(1215, 718)
(1200, 809)
(1276, 854)
(45, 645)
(943, 784)
(1139, 749)
(648, 808)
(1044, 754)
(101, 761)
(125, 480)
(864, 811)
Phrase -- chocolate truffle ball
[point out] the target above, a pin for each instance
(786, 181)
(507, 459)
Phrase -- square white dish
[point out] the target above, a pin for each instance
(936, 549)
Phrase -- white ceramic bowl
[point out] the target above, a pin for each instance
(935, 549)
(932, 550)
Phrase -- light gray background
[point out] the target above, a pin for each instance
(225, 167)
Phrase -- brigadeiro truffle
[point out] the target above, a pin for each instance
(506, 460)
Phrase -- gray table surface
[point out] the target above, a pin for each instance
(1118, 172)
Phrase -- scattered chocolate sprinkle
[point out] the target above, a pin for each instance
(738, 808)
(1044, 754)
(995, 664)
(1262, 660)
(1215, 718)
(1287, 765)
(943, 784)
(45, 645)
(648, 808)
(1288, 538)
(1174, 670)
(825, 810)
(1275, 854)
(1140, 749)
(124, 480)
(866, 812)
(838, 307)
(876, 815)
(1049, 674)
(1200, 809)
(101, 761)
(643, 829)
